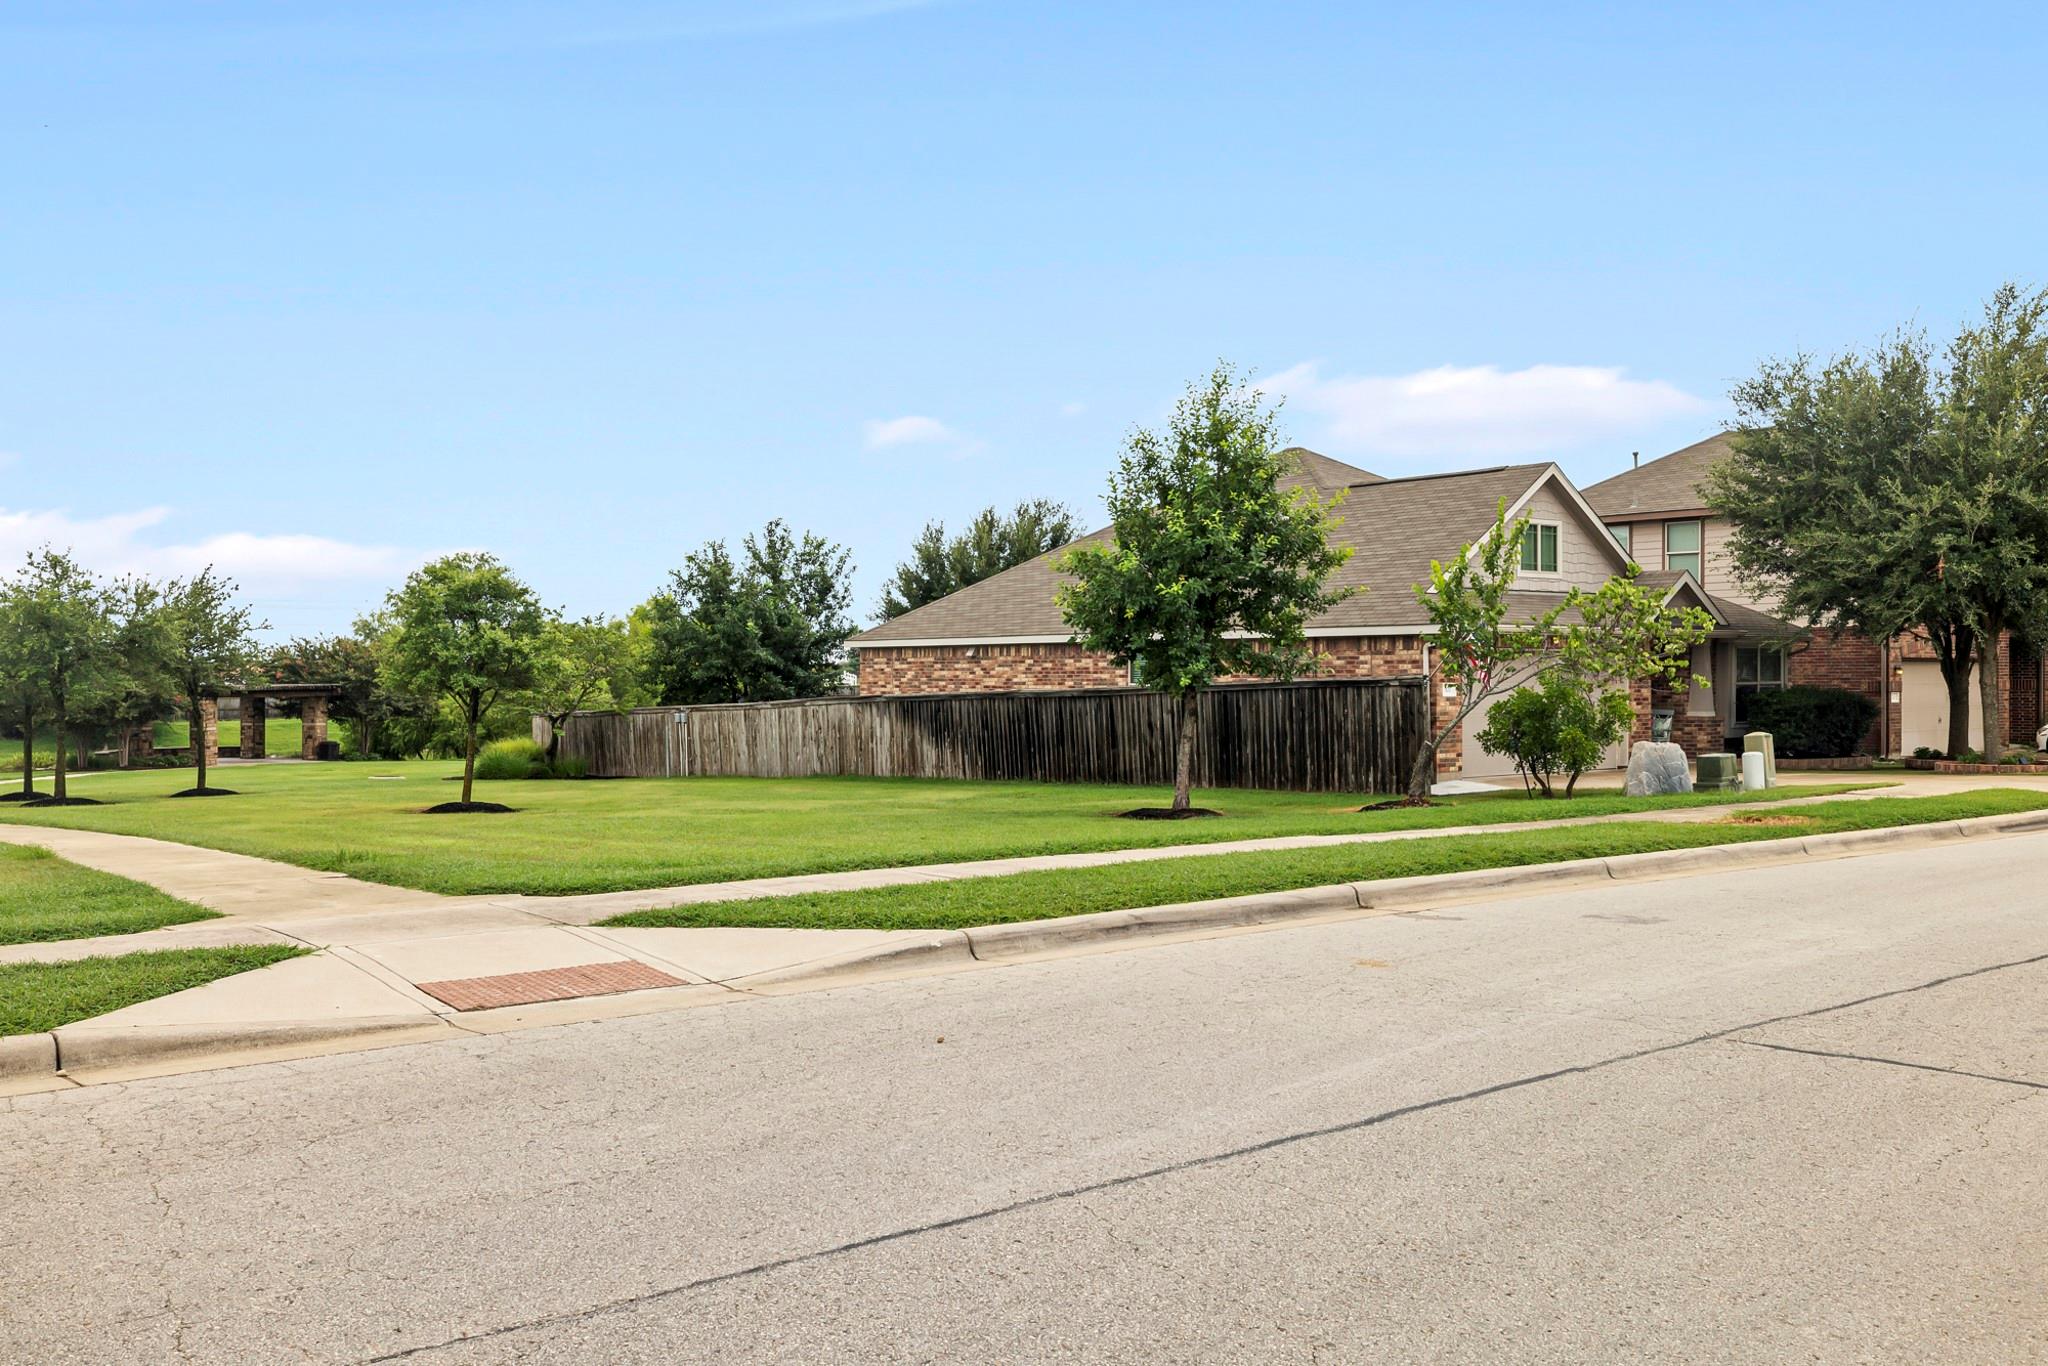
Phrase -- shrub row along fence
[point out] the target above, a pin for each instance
(1351, 735)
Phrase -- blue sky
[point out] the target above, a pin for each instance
(314, 290)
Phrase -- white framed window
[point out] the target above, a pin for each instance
(1539, 548)
(1682, 547)
(1756, 667)
(1623, 537)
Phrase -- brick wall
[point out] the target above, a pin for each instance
(1850, 662)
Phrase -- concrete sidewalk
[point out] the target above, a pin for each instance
(398, 965)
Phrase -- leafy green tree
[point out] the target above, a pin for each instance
(584, 664)
(206, 638)
(940, 564)
(1562, 726)
(768, 626)
(1619, 631)
(1215, 570)
(22, 704)
(135, 685)
(465, 630)
(352, 664)
(67, 627)
(1890, 491)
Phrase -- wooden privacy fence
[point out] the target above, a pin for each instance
(1349, 735)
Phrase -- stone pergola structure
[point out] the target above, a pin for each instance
(312, 698)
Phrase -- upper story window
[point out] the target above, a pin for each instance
(1539, 548)
(1623, 539)
(1682, 547)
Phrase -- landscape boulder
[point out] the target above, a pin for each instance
(1657, 770)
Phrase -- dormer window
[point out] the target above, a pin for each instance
(1539, 548)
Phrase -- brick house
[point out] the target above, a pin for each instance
(1006, 634)
(1658, 514)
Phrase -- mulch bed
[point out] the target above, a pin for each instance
(483, 808)
(40, 800)
(1167, 813)
(1398, 804)
(207, 792)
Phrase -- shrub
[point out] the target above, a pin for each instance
(1924, 752)
(572, 766)
(515, 758)
(1969, 756)
(1813, 723)
(1562, 727)
(2015, 758)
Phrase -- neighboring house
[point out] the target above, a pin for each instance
(1658, 513)
(1006, 634)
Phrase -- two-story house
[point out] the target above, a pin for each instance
(1006, 633)
(1659, 515)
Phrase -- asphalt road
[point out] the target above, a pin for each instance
(1794, 1114)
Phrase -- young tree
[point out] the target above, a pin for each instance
(468, 631)
(940, 564)
(1562, 726)
(583, 664)
(767, 627)
(1618, 632)
(207, 638)
(1215, 569)
(67, 632)
(1886, 492)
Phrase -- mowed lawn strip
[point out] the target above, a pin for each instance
(364, 819)
(35, 997)
(1076, 891)
(43, 898)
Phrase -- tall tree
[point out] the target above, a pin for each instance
(467, 630)
(67, 625)
(940, 564)
(1884, 492)
(21, 687)
(767, 626)
(583, 664)
(1619, 631)
(207, 639)
(1215, 569)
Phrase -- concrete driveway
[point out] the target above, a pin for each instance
(1787, 1114)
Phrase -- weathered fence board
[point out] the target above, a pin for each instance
(1349, 735)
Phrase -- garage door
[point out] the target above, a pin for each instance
(1923, 707)
(1479, 764)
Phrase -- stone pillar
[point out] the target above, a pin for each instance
(312, 726)
(208, 738)
(252, 726)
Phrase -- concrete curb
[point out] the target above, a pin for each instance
(1026, 939)
(83, 1048)
(27, 1055)
(940, 951)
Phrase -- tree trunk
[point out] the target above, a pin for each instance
(469, 752)
(28, 753)
(1957, 678)
(57, 789)
(195, 735)
(1184, 753)
(1990, 687)
(364, 731)
(554, 738)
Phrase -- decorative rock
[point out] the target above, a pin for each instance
(1719, 773)
(1752, 770)
(1656, 770)
(1760, 742)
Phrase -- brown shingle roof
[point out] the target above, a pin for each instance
(1394, 527)
(1667, 484)
(1740, 620)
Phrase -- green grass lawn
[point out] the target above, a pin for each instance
(281, 735)
(1075, 891)
(39, 996)
(43, 897)
(365, 819)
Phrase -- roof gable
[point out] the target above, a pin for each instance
(1670, 483)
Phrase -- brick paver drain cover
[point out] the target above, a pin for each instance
(548, 984)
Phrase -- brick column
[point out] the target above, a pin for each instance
(252, 726)
(208, 738)
(312, 726)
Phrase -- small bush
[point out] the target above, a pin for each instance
(572, 766)
(2016, 758)
(1969, 756)
(514, 758)
(1813, 723)
(1924, 752)
(1563, 727)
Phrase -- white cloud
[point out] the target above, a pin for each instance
(117, 544)
(1073, 409)
(888, 433)
(1477, 411)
